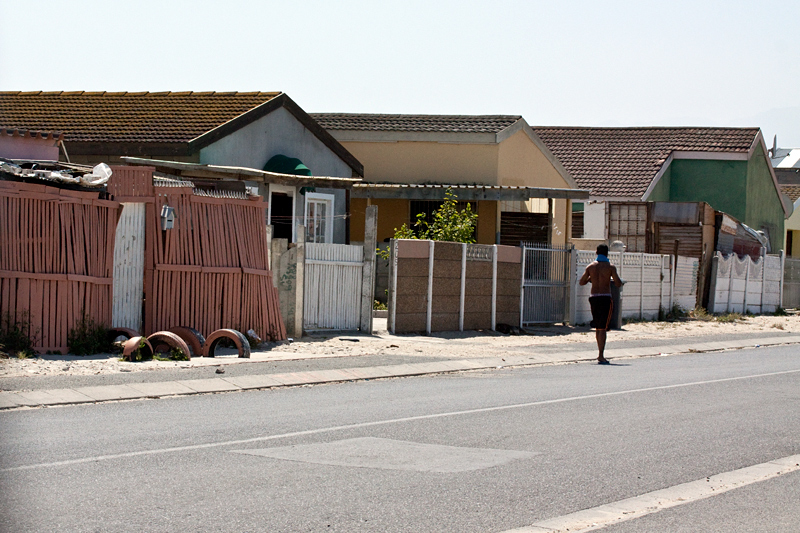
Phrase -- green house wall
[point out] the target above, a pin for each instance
(743, 189)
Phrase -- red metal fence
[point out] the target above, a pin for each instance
(56, 259)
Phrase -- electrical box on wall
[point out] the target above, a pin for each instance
(167, 217)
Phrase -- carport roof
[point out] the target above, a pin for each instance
(407, 191)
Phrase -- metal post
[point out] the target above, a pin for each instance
(746, 283)
(463, 286)
(522, 289)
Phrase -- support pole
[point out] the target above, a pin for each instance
(494, 286)
(463, 286)
(430, 288)
(300, 286)
(368, 269)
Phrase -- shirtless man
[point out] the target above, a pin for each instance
(599, 274)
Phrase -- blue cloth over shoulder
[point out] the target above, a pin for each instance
(602, 258)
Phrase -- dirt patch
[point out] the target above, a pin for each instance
(451, 344)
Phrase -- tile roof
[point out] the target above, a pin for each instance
(125, 117)
(416, 123)
(792, 191)
(622, 162)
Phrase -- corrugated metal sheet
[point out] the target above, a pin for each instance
(129, 268)
(332, 298)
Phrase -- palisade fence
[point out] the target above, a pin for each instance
(652, 282)
(791, 283)
(745, 286)
(56, 259)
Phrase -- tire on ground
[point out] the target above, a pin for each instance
(132, 344)
(193, 339)
(238, 339)
(159, 339)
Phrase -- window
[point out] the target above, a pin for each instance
(319, 217)
(628, 223)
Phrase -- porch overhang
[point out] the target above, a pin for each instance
(407, 191)
(221, 172)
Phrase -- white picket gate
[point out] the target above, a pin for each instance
(126, 311)
(333, 286)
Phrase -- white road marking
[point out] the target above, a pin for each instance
(653, 502)
(360, 425)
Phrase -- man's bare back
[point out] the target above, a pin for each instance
(600, 276)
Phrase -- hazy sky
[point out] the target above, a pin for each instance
(687, 63)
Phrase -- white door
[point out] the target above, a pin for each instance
(319, 218)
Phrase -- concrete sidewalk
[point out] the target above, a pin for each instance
(153, 390)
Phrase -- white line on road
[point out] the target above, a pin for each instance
(381, 423)
(653, 502)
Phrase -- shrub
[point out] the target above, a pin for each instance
(88, 337)
(16, 336)
(671, 315)
(377, 305)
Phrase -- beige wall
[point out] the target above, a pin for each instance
(420, 162)
(562, 222)
(522, 164)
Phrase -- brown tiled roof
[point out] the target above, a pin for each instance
(416, 123)
(125, 117)
(622, 162)
(792, 191)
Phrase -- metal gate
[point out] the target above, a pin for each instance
(547, 272)
(333, 275)
(126, 311)
(791, 283)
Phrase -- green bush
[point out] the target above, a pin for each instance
(88, 337)
(16, 336)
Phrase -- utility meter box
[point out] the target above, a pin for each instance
(167, 217)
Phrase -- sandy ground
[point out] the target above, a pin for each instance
(463, 345)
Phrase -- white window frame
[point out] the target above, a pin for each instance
(290, 191)
(319, 197)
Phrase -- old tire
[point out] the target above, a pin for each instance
(132, 344)
(193, 339)
(165, 338)
(238, 339)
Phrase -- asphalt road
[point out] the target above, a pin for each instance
(477, 451)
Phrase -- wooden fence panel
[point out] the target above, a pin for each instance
(55, 259)
(332, 286)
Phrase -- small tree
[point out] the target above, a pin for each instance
(448, 224)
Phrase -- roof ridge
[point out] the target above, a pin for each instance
(137, 93)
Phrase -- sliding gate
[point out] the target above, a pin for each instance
(547, 272)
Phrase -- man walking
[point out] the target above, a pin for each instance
(599, 274)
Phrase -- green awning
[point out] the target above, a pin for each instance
(577, 207)
(282, 164)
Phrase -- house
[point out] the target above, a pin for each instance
(789, 180)
(259, 130)
(520, 191)
(624, 168)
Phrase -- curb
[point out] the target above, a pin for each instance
(138, 391)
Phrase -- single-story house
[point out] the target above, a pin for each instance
(258, 130)
(520, 191)
(729, 168)
(789, 180)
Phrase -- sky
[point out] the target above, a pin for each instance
(556, 63)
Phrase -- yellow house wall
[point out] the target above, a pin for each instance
(522, 164)
(391, 215)
(358, 210)
(421, 162)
